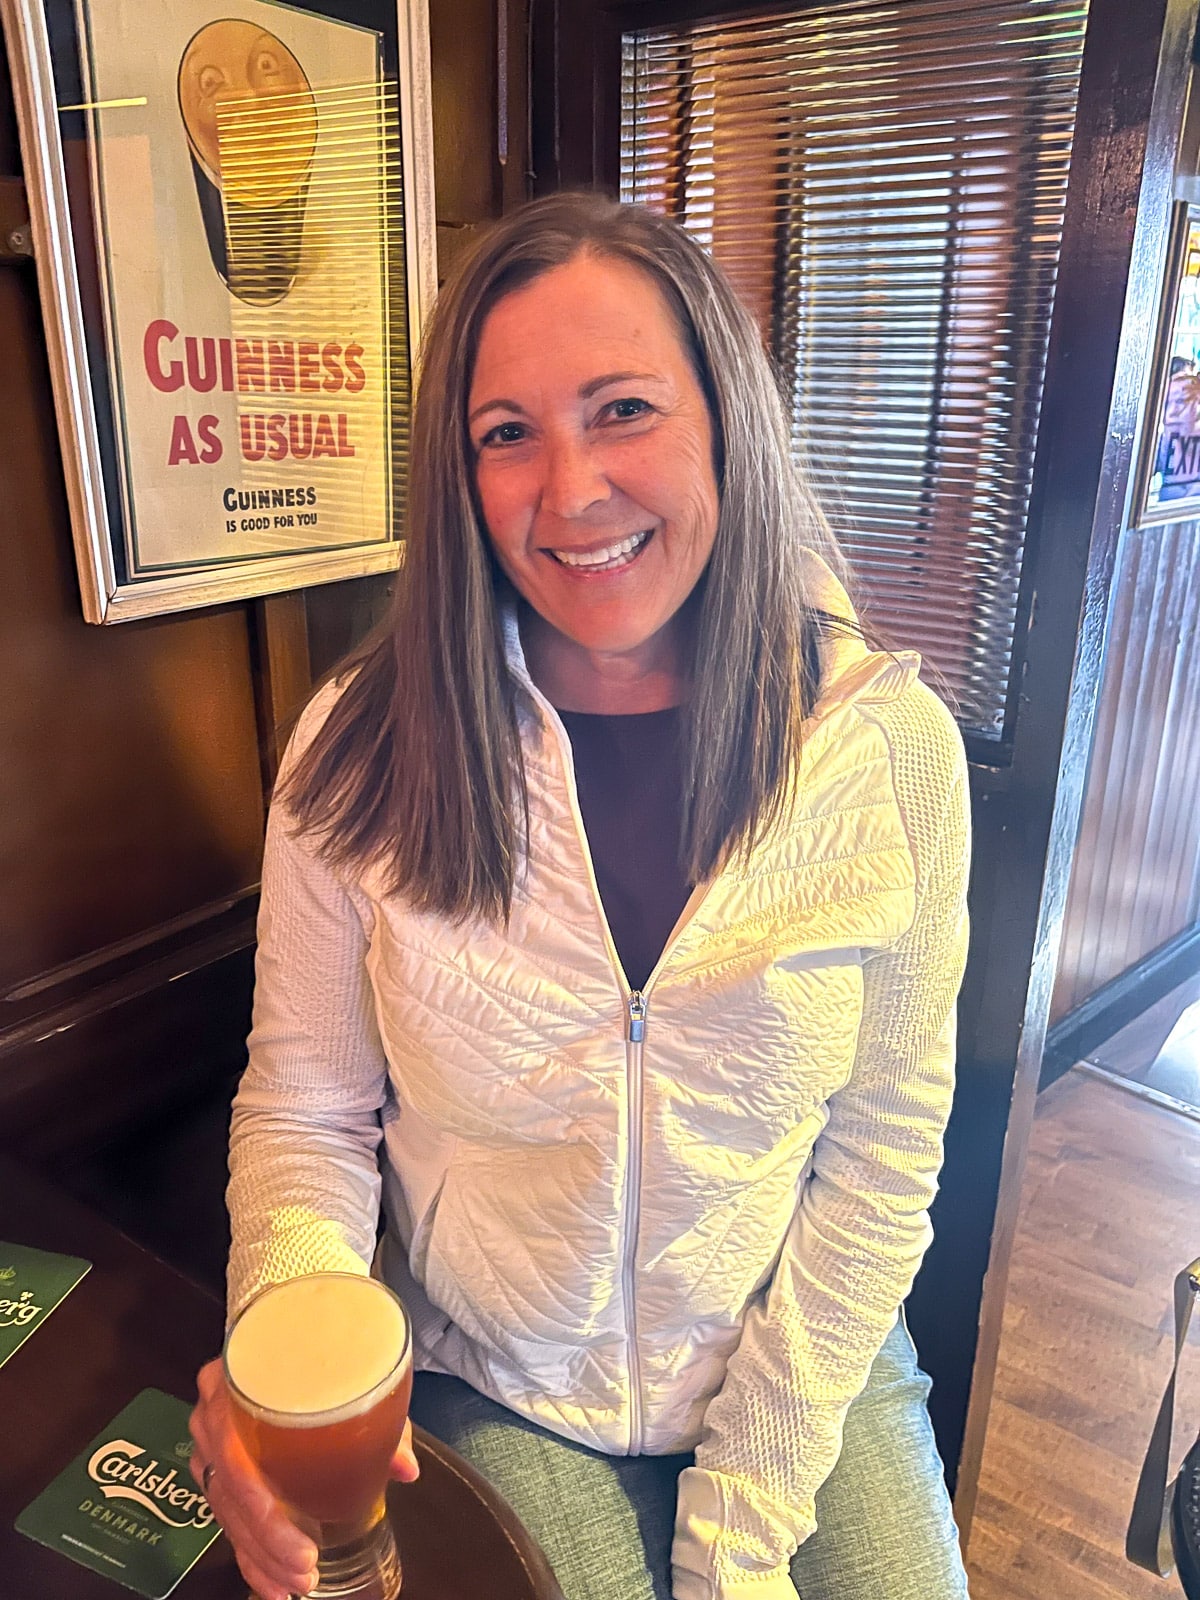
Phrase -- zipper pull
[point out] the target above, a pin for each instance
(637, 1017)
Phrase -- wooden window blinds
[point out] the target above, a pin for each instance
(885, 184)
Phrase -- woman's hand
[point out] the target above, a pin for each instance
(276, 1558)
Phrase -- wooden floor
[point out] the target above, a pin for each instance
(1110, 1213)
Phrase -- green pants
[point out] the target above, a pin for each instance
(884, 1525)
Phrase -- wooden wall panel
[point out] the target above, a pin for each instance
(478, 51)
(1135, 880)
(340, 614)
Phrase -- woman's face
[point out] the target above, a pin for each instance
(594, 454)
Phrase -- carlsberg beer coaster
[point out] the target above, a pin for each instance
(128, 1506)
(32, 1282)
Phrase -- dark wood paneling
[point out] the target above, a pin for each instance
(116, 1064)
(340, 614)
(10, 155)
(129, 784)
(477, 110)
(284, 671)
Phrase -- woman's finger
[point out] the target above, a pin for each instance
(405, 1466)
(256, 1525)
(243, 1502)
(209, 1379)
(265, 1586)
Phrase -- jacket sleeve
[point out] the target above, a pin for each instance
(773, 1432)
(304, 1183)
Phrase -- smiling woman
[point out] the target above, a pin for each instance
(618, 887)
(748, 637)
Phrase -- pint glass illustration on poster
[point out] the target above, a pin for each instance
(1168, 484)
(238, 247)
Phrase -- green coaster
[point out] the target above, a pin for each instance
(32, 1282)
(127, 1507)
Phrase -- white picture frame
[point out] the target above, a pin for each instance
(234, 236)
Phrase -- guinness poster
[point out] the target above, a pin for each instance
(238, 180)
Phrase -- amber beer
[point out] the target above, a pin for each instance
(320, 1372)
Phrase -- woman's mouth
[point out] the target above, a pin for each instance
(609, 559)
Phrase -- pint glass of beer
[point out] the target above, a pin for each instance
(250, 120)
(319, 1370)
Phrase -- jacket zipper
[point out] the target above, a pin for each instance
(633, 1201)
(635, 1034)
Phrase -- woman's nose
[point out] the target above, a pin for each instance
(574, 480)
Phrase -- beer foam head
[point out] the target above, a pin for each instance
(317, 1345)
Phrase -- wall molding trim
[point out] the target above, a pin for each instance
(1073, 1037)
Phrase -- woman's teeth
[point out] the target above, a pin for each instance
(615, 555)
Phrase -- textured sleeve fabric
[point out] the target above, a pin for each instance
(304, 1182)
(773, 1432)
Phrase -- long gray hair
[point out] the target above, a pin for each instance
(418, 764)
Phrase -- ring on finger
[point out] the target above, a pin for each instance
(206, 1476)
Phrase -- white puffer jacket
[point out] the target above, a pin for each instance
(654, 1222)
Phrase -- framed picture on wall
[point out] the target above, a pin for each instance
(233, 223)
(1167, 486)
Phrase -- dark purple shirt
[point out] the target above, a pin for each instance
(629, 774)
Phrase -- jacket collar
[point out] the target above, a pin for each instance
(851, 672)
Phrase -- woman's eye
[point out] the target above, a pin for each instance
(627, 410)
(503, 433)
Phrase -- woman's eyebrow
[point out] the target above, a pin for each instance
(496, 405)
(595, 384)
(587, 390)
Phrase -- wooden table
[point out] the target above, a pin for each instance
(134, 1322)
